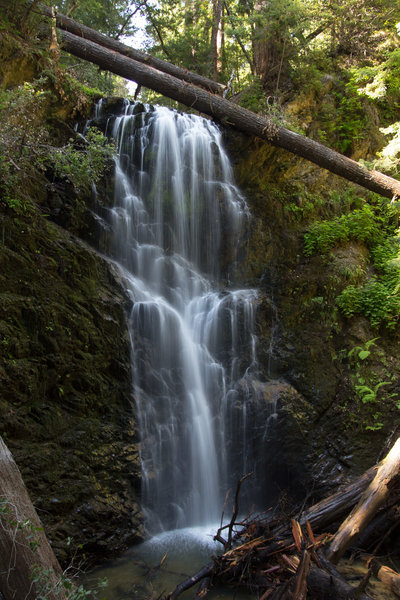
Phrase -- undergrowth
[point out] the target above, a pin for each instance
(27, 148)
(378, 296)
(23, 535)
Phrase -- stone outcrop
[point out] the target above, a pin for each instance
(66, 405)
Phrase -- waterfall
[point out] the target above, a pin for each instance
(177, 221)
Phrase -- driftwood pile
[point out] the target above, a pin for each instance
(279, 558)
(273, 557)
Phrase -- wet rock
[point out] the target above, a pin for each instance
(66, 407)
(303, 338)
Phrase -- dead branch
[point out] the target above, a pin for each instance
(370, 502)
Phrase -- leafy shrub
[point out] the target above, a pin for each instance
(253, 98)
(375, 299)
(82, 165)
(379, 297)
(22, 140)
(361, 224)
(26, 146)
(351, 122)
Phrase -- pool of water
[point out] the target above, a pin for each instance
(154, 568)
(157, 566)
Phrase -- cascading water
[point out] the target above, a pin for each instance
(177, 220)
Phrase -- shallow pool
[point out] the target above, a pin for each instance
(157, 566)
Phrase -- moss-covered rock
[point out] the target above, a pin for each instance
(17, 64)
(66, 406)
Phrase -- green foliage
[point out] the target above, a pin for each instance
(351, 119)
(27, 149)
(81, 78)
(10, 520)
(22, 137)
(379, 84)
(362, 352)
(112, 17)
(65, 586)
(82, 164)
(378, 298)
(375, 300)
(368, 385)
(253, 98)
(361, 225)
(368, 394)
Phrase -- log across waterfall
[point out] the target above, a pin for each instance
(177, 213)
(230, 114)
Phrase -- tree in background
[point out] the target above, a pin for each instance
(114, 18)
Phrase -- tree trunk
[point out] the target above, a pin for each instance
(325, 586)
(216, 35)
(334, 508)
(230, 114)
(390, 578)
(370, 502)
(24, 547)
(86, 33)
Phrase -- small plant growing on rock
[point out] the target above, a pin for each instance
(367, 385)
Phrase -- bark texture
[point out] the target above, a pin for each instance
(370, 502)
(229, 114)
(337, 506)
(23, 543)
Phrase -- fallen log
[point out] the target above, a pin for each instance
(84, 32)
(370, 502)
(25, 552)
(326, 586)
(230, 114)
(390, 578)
(334, 508)
(206, 571)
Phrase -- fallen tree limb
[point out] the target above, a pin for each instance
(370, 502)
(228, 543)
(334, 508)
(24, 547)
(189, 583)
(86, 33)
(229, 114)
(390, 578)
(326, 586)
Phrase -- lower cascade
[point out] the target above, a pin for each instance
(177, 221)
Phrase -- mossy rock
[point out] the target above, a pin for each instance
(66, 408)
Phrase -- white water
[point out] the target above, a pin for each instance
(177, 220)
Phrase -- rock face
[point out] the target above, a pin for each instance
(66, 405)
(320, 435)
